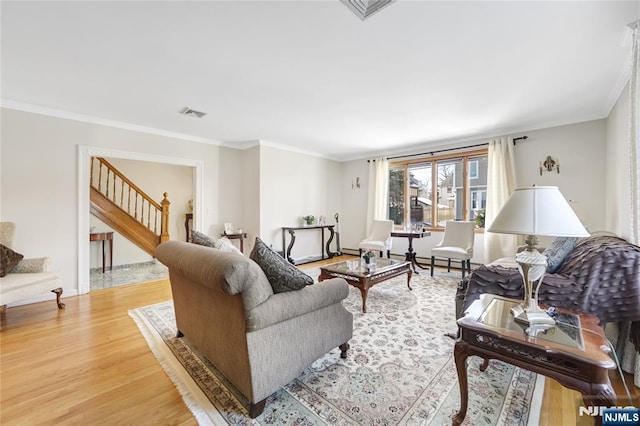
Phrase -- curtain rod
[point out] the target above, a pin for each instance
(451, 149)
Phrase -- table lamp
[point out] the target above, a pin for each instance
(535, 211)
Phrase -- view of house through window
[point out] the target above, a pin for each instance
(460, 190)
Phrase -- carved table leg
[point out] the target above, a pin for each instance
(343, 350)
(364, 291)
(58, 292)
(409, 273)
(288, 253)
(461, 352)
(329, 253)
(485, 364)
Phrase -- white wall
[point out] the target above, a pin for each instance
(580, 149)
(39, 180)
(617, 177)
(293, 185)
(154, 179)
(251, 195)
(264, 188)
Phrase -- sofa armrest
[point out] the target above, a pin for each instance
(290, 304)
(25, 266)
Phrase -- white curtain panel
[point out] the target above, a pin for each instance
(378, 196)
(631, 359)
(501, 182)
(634, 137)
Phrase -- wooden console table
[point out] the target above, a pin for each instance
(292, 232)
(104, 236)
(237, 236)
(573, 352)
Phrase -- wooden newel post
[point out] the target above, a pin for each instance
(164, 224)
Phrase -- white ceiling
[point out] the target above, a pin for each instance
(312, 76)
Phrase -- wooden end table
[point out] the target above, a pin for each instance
(236, 236)
(576, 356)
(410, 255)
(363, 279)
(104, 236)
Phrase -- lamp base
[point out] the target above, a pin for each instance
(531, 315)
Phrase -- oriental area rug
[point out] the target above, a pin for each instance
(400, 368)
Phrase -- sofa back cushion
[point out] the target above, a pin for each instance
(233, 273)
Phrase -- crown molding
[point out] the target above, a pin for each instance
(53, 112)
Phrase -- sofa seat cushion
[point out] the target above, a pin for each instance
(284, 306)
(449, 252)
(8, 259)
(373, 244)
(282, 275)
(15, 287)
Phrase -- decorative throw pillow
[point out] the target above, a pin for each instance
(8, 259)
(223, 244)
(202, 239)
(282, 275)
(557, 251)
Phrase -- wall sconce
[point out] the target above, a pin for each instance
(549, 165)
(355, 183)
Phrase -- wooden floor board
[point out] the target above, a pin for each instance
(89, 364)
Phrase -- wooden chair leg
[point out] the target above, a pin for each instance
(449, 265)
(343, 350)
(388, 254)
(433, 261)
(58, 292)
(256, 409)
(464, 267)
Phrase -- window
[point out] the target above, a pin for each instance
(473, 169)
(434, 190)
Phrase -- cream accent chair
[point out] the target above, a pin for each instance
(380, 237)
(457, 243)
(29, 278)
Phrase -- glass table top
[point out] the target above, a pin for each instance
(567, 330)
(356, 266)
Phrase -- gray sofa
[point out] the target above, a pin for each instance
(258, 340)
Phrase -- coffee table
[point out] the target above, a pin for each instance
(364, 279)
(574, 352)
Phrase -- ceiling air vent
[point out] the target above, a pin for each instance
(192, 112)
(366, 8)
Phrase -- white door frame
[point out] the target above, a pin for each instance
(84, 170)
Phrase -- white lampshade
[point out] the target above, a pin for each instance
(538, 210)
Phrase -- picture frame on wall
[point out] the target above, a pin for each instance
(228, 228)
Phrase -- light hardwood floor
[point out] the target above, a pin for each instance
(89, 364)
